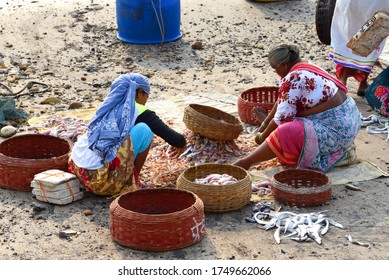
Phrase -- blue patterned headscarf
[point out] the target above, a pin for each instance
(111, 123)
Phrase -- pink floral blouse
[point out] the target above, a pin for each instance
(301, 90)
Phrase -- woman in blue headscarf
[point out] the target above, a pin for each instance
(108, 158)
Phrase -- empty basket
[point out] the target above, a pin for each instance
(212, 123)
(23, 156)
(301, 187)
(157, 219)
(263, 97)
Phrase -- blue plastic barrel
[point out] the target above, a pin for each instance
(148, 21)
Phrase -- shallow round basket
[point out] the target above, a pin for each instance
(211, 122)
(157, 219)
(263, 97)
(218, 198)
(301, 187)
(23, 156)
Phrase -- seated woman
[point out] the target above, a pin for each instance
(313, 121)
(108, 158)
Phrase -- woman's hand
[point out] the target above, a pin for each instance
(259, 114)
(175, 152)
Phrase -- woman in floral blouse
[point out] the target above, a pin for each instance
(313, 121)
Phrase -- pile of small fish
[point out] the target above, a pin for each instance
(299, 227)
(63, 127)
(216, 179)
(162, 170)
(261, 188)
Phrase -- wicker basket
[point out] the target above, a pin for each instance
(157, 219)
(218, 198)
(263, 97)
(23, 156)
(211, 122)
(301, 187)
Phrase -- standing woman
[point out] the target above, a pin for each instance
(108, 158)
(313, 121)
(348, 18)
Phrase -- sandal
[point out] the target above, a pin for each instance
(361, 93)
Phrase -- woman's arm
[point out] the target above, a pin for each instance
(159, 128)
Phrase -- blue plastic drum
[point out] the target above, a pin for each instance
(148, 21)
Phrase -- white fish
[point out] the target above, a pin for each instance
(277, 235)
(326, 227)
(336, 224)
(357, 242)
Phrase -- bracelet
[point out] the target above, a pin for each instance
(259, 138)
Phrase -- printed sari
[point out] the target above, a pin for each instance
(317, 141)
(114, 178)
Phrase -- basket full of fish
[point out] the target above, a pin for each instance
(222, 187)
(211, 122)
(301, 187)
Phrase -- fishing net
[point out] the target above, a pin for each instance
(9, 112)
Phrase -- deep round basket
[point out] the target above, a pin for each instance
(23, 156)
(263, 97)
(301, 187)
(218, 198)
(211, 122)
(157, 219)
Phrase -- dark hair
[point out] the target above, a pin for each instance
(284, 53)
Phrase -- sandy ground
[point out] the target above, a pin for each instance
(72, 46)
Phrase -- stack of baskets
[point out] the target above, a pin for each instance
(263, 97)
(157, 219)
(23, 156)
(301, 187)
(218, 198)
(211, 122)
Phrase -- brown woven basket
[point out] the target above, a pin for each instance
(263, 97)
(219, 198)
(211, 122)
(23, 156)
(157, 219)
(301, 187)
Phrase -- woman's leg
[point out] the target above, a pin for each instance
(141, 158)
(141, 137)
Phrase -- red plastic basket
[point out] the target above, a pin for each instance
(23, 156)
(263, 97)
(157, 219)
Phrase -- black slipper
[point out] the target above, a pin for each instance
(361, 93)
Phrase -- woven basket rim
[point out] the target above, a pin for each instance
(27, 135)
(300, 190)
(205, 165)
(139, 214)
(257, 88)
(232, 117)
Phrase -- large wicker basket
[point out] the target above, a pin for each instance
(301, 187)
(218, 198)
(263, 97)
(211, 122)
(157, 219)
(23, 156)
